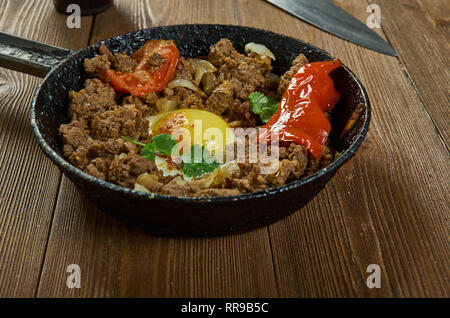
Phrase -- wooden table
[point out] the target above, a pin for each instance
(388, 206)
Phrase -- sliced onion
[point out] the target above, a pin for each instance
(179, 180)
(122, 155)
(221, 77)
(259, 49)
(187, 84)
(209, 82)
(138, 187)
(274, 78)
(226, 171)
(165, 105)
(205, 181)
(236, 123)
(201, 68)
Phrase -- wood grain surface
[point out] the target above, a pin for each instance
(387, 206)
(29, 182)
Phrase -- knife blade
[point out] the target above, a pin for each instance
(329, 17)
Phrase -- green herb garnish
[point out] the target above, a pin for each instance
(264, 106)
(148, 152)
(195, 163)
(198, 162)
(163, 143)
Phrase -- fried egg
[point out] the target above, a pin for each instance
(203, 128)
(191, 127)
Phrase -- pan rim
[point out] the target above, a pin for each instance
(67, 167)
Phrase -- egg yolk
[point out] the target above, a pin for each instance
(204, 128)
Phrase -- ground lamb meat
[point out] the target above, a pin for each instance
(297, 64)
(98, 168)
(223, 102)
(179, 187)
(192, 101)
(241, 114)
(245, 73)
(105, 51)
(213, 192)
(292, 165)
(150, 98)
(96, 98)
(101, 148)
(124, 63)
(155, 60)
(221, 99)
(177, 93)
(99, 117)
(185, 70)
(147, 109)
(74, 135)
(313, 165)
(150, 181)
(219, 51)
(299, 155)
(327, 156)
(97, 66)
(122, 121)
(125, 169)
(186, 97)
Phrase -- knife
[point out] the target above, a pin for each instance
(329, 17)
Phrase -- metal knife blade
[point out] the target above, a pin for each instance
(329, 17)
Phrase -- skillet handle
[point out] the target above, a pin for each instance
(28, 56)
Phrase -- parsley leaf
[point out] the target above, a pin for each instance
(163, 143)
(148, 152)
(198, 162)
(195, 163)
(264, 106)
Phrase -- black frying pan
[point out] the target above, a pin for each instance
(169, 215)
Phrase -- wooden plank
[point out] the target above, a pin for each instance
(387, 206)
(438, 12)
(119, 260)
(424, 51)
(29, 181)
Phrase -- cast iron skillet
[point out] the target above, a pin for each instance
(170, 215)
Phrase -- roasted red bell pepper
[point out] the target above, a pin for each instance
(300, 117)
(147, 79)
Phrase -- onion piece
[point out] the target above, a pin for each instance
(272, 77)
(221, 77)
(201, 68)
(226, 171)
(187, 84)
(259, 49)
(209, 82)
(152, 121)
(236, 123)
(205, 181)
(179, 180)
(141, 188)
(165, 105)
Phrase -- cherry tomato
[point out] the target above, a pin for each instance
(146, 79)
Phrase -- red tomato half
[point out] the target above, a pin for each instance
(145, 79)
